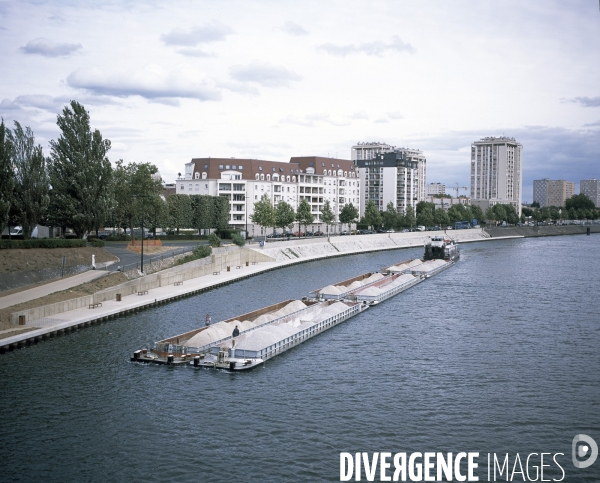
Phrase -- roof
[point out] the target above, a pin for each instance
(248, 168)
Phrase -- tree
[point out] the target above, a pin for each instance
(30, 192)
(580, 201)
(328, 216)
(180, 211)
(349, 214)
(7, 176)
(425, 218)
(409, 217)
(390, 216)
(220, 212)
(264, 213)
(135, 185)
(304, 214)
(284, 215)
(535, 204)
(477, 213)
(425, 205)
(80, 173)
(202, 212)
(372, 215)
(440, 217)
(490, 215)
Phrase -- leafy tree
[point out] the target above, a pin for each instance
(425, 205)
(500, 212)
(527, 211)
(220, 212)
(304, 214)
(284, 215)
(409, 217)
(328, 216)
(580, 201)
(477, 213)
(7, 176)
(136, 185)
(80, 173)
(349, 214)
(213, 240)
(390, 216)
(30, 193)
(180, 211)
(156, 213)
(535, 204)
(440, 217)
(264, 213)
(372, 215)
(425, 217)
(202, 212)
(490, 215)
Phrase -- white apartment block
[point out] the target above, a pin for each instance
(591, 188)
(497, 172)
(436, 189)
(390, 174)
(244, 181)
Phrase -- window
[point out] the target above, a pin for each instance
(262, 176)
(281, 170)
(182, 188)
(197, 187)
(256, 176)
(204, 175)
(260, 168)
(240, 167)
(233, 167)
(227, 166)
(288, 179)
(268, 177)
(190, 187)
(293, 179)
(220, 166)
(205, 186)
(273, 170)
(197, 175)
(206, 166)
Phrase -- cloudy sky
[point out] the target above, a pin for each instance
(169, 81)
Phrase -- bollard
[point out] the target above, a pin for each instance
(196, 361)
(588, 230)
(247, 264)
(228, 268)
(118, 297)
(170, 359)
(21, 320)
(144, 351)
(136, 355)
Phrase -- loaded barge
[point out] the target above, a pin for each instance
(248, 340)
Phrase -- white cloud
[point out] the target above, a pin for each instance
(35, 101)
(587, 101)
(376, 48)
(188, 52)
(395, 115)
(211, 32)
(150, 83)
(264, 74)
(359, 115)
(49, 49)
(293, 28)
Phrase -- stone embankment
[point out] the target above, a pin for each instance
(532, 231)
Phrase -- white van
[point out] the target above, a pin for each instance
(18, 231)
(421, 228)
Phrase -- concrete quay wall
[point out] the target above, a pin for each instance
(533, 231)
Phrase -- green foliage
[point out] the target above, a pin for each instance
(30, 194)
(425, 205)
(535, 204)
(180, 211)
(227, 233)
(201, 251)
(284, 215)
(304, 214)
(390, 216)
(214, 240)
(476, 213)
(349, 214)
(409, 219)
(202, 212)
(136, 189)
(372, 216)
(579, 202)
(441, 218)
(43, 243)
(425, 217)
(220, 212)
(264, 213)
(238, 240)
(80, 173)
(118, 237)
(7, 180)
(97, 243)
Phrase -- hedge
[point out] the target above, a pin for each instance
(96, 243)
(201, 251)
(43, 243)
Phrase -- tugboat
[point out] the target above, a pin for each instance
(441, 247)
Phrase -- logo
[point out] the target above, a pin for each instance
(583, 445)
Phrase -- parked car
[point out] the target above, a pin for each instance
(421, 228)
(345, 232)
(391, 230)
(319, 233)
(298, 233)
(309, 233)
(405, 230)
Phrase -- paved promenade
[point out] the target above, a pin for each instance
(302, 250)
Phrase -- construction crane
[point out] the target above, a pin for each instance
(458, 187)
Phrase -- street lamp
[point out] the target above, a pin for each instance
(142, 261)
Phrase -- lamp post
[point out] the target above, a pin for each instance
(142, 262)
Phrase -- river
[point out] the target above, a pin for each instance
(498, 354)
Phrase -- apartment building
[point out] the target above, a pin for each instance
(591, 188)
(244, 181)
(496, 172)
(549, 192)
(390, 174)
(436, 189)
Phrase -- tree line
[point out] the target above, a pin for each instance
(77, 187)
(578, 207)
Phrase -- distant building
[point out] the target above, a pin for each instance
(591, 188)
(446, 203)
(549, 192)
(539, 191)
(390, 174)
(436, 189)
(244, 181)
(496, 172)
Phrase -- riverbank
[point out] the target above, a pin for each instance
(533, 231)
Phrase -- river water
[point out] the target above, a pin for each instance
(499, 354)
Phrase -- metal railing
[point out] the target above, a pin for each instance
(149, 261)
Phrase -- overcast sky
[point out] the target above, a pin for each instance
(170, 81)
